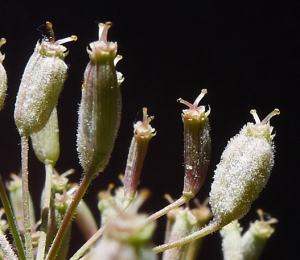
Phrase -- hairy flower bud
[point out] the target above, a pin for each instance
(256, 237)
(197, 145)
(243, 171)
(143, 133)
(45, 142)
(232, 241)
(100, 107)
(3, 77)
(184, 222)
(41, 84)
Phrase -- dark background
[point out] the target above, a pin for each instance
(246, 53)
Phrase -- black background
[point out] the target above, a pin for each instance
(246, 53)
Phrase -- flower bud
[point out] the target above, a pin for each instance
(232, 241)
(41, 84)
(243, 171)
(184, 222)
(197, 145)
(127, 238)
(256, 237)
(46, 141)
(100, 107)
(143, 133)
(3, 77)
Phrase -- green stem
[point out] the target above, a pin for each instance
(94, 238)
(45, 211)
(183, 199)
(68, 216)
(25, 197)
(210, 228)
(12, 221)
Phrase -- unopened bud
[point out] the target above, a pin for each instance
(256, 237)
(3, 77)
(41, 84)
(46, 141)
(232, 241)
(243, 171)
(184, 222)
(100, 107)
(143, 133)
(128, 238)
(197, 145)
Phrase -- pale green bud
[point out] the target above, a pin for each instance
(232, 241)
(243, 171)
(256, 237)
(128, 238)
(45, 142)
(184, 222)
(3, 77)
(100, 107)
(41, 84)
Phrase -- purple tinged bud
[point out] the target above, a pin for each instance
(143, 132)
(197, 145)
(41, 84)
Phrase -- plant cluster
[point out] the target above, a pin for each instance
(124, 233)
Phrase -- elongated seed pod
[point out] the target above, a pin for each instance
(45, 142)
(3, 77)
(197, 145)
(41, 84)
(143, 132)
(243, 171)
(100, 107)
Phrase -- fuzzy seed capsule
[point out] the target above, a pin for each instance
(3, 77)
(100, 107)
(41, 84)
(197, 145)
(243, 171)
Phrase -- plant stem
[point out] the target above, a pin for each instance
(210, 228)
(95, 237)
(12, 221)
(25, 197)
(165, 210)
(45, 211)
(68, 216)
